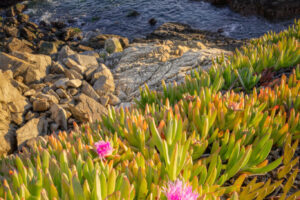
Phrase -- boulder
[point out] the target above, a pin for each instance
(15, 44)
(75, 83)
(40, 105)
(85, 60)
(98, 42)
(65, 52)
(33, 128)
(27, 34)
(33, 68)
(87, 109)
(113, 45)
(71, 64)
(61, 83)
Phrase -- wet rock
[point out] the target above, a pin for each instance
(59, 115)
(98, 42)
(11, 31)
(23, 18)
(152, 21)
(113, 45)
(27, 34)
(133, 13)
(48, 48)
(15, 44)
(33, 128)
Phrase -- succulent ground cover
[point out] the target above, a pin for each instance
(211, 137)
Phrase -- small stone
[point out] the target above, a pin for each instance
(113, 45)
(114, 100)
(104, 100)
(30, 115)
(62, 93)
(27, 34)
(30, 92)
(57, 68)
(72, 91)
(61, 83)
(75, 83)
(73, 65)
(23, 18)
(72, 74)
(40, 105)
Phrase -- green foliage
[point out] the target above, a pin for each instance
(215, 140)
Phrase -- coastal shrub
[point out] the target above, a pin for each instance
(211, 137)
(205, 146)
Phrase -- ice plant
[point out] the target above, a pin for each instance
(103, 148)
(179, 191)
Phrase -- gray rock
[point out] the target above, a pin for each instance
(59, 115)
(89, 91)
(65, 52)
(61, 83)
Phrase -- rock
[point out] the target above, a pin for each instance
(29, 93)
(19, 8)
(57, 68)
(54, 127)
(58, 24)
(87, 109)
(29, 115)
(98, 42)
(72, 91)
(114, 100)
(33, 128)
(48, 48)
(11, 31)
(75, 83)
(65, 52)
(59, 115)
(104, 81)
(23, 18)
(10, 12)
(104, 100)
(150, 63)
(62, 93)
(89, 91)
(40, 105)
(89, 73)
(86, 61)
(61, 83)
(70, 63)
(133, 13)
(50, 98)
(72, 74)
(27, 34)
(113, 45)
(14, 44)
(70, 34)
(152, 21)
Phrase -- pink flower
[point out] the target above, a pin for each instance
(103, 149)
(177, 191)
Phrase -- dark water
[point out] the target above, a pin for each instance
(109, 16)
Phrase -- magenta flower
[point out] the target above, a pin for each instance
(103, 149)
(177, 191)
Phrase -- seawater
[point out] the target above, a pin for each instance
(110, 16)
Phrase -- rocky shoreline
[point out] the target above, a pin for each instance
(52, 77)
(270, 9)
